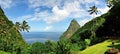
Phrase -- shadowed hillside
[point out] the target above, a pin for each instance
(111, 26)
(99, 28)
(107, 24)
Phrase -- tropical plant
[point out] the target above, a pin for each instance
(38, 48)
(3, 27)
(85, 35)
(17, 26)
(63, 47)
(50, 47)
(2, 32)
(24, 26)
(93, 10)
(10, 39)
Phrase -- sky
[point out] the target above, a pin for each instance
(51, 15)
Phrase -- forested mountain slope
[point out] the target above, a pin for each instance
(10, 38)
(107, 24)
(73, 27)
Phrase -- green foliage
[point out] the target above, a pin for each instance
(24, 26)
(96, 29)
(50, 47)
(111, 3)
(93, 10)
(90, 26)
(63, 47)
(95, 40)
(82, 45)
(27, 49)
(10, 39)
(2, 52)
(111, 25)
(87, 31)
(1, 11)
(38, 48)
(87, 41)
(75, 39)
(99, 48)
(74, 47)
(86, 34)
(17, 26)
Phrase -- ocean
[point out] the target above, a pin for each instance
(31, 37)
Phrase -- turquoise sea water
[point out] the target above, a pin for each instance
(31, 37)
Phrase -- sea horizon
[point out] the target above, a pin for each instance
(31, 37)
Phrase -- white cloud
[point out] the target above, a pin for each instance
(6, 3)
(38, 3)
(52, 3)
(57, 15)
(69, 9)
(60, 10)
(90, 1)
(37, 9)
(102, 10)
(82, 22)
(48, 28)
(21, 18)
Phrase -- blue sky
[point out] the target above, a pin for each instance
(51, 15)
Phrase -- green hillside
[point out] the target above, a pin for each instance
(10, 38)
(100, 48)
(73, 27)
(102, 25)
(98, 29)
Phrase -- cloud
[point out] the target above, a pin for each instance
(90, 1)
(6, 3)
(38, 3)
(56, 11)
(52, 3)
(61, 10)
(82, 22)
(69, 9)
(48, 28)
(102, 10)
(57, 15)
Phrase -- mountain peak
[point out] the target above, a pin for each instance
(73, 27)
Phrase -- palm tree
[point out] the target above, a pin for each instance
(24, 26)
(17, 26)
(93, 10)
